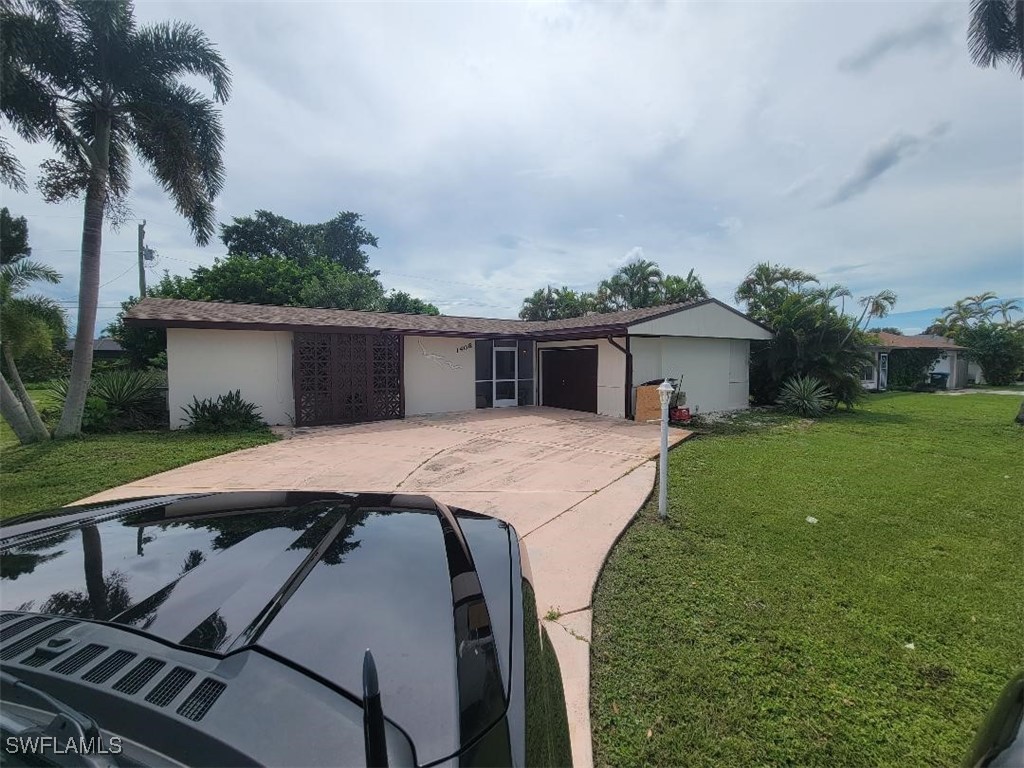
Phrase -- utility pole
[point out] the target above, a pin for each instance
(142, 266)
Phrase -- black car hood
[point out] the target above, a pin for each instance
(312, 578)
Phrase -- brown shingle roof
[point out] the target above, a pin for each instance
(179, 313)
(924, 341)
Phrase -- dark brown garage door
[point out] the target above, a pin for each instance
(342, 378)
(569, 378)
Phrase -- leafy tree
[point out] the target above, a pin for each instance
(996, 33)
(13, 237)
(143, 345)
(340, 240)
(337, 288)
(27, 324)
(998, 348)
(403, 303)
(84, 77)
(888, 329)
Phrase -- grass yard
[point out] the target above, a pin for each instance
(741, 634)
(40, 476)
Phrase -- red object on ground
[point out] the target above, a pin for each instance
(679, 414)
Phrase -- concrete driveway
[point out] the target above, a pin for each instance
(569, 482)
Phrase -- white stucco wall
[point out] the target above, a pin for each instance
(440, 375)
(715, 371)
(611, 373)
(710, 320)
(208, 363)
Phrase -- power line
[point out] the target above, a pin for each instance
(130, 268)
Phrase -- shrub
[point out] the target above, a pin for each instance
(908, 367)
(98, 416)
(129, 400)
(228, 413)
(998, 349)
(804, 396)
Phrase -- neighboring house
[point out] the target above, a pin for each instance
(328, 366)
(102, 349)
(952, 359)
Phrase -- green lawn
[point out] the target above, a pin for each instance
(51, 474)
(741, 634)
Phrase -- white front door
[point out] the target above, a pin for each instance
(506, 369)
(883, 371)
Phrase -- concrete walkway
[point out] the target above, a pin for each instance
(569, 482)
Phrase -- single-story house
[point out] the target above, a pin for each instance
(951, 360)
(103, 348)
(307, 366)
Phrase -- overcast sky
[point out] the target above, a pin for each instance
(495, 148)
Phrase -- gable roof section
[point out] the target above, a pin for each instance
(179, 313)
(924, 341)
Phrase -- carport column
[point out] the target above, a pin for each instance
(664, 394)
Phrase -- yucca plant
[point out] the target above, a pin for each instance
(127, 391)
(131, 398)
(804, 396)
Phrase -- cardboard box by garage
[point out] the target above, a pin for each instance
(648, 404)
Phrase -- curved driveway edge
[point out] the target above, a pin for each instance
(569, 482)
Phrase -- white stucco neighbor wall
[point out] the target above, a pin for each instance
(208, 363)
(712, 321)
(611, 373)
(715, 371)
(440, 374)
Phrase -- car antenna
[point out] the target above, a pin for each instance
(373, 716)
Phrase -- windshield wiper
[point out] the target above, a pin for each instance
(68, 724)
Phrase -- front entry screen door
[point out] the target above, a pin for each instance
(505, 375)
(883, 370)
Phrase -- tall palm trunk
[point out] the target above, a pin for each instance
(14, 414)
(88, 295)
(38, 428)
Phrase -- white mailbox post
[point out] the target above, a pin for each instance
(664, 394)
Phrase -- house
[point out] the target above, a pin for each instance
(102, 349)
(308, 366)
(952, 360)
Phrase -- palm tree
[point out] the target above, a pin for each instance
(1005, 308)
(996, 33)
(27, 324)
(538, 306)
(767, 285)
(567, 303)
(639, 284)
(877, 305)
(830, 293)
(679, 289)
(978, 303)
(81, 75)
